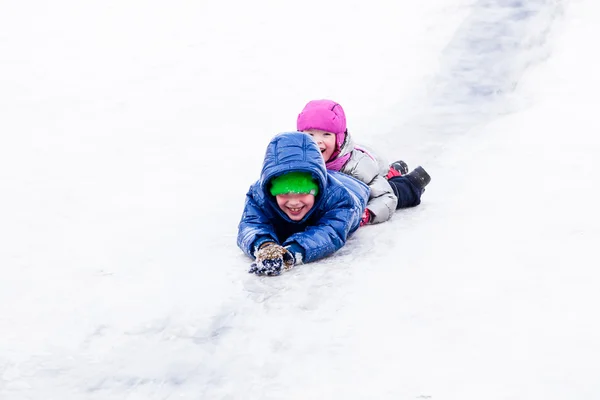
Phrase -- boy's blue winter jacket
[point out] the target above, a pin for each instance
(335, 215)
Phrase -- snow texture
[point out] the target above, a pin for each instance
(130, 132)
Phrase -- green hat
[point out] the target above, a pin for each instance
(294, 182)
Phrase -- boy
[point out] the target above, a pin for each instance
(298, 211)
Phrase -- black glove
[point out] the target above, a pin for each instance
(272, 259)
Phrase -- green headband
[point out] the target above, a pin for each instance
(294, 182)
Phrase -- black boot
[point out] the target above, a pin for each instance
(420, 177)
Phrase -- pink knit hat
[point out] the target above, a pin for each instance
(325, 115)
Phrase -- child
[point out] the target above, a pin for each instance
(325, 121)
(298, 211)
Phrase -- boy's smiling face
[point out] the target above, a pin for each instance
(294, 205)
(325, 140)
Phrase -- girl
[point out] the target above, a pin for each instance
(298, 211)
(325, 121)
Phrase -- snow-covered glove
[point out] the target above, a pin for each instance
(272, 259)
(366, 218)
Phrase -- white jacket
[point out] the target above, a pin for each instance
(368, 168)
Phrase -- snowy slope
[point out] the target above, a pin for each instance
(130, 132)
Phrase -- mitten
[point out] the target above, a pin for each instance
(366, 218)
(272, 259)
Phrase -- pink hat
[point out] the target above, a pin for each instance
(325, 115)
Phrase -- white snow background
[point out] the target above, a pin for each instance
(130, 132)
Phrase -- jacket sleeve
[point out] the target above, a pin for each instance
(382, 200)
(341, 216)
(255, 227)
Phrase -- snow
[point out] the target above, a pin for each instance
(131, 131)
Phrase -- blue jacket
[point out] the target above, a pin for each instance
(336, 214)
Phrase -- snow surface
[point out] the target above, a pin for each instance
(130, 132)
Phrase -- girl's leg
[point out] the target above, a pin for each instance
(409, 188)
(407, 192)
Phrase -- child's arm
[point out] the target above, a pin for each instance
(382, 200)
(255, 227)
(330, 232)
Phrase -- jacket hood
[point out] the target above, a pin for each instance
(288, 152)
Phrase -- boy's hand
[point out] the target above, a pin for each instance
(272, 259)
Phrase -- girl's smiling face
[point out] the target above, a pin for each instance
(325, 140)
(294, 205)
